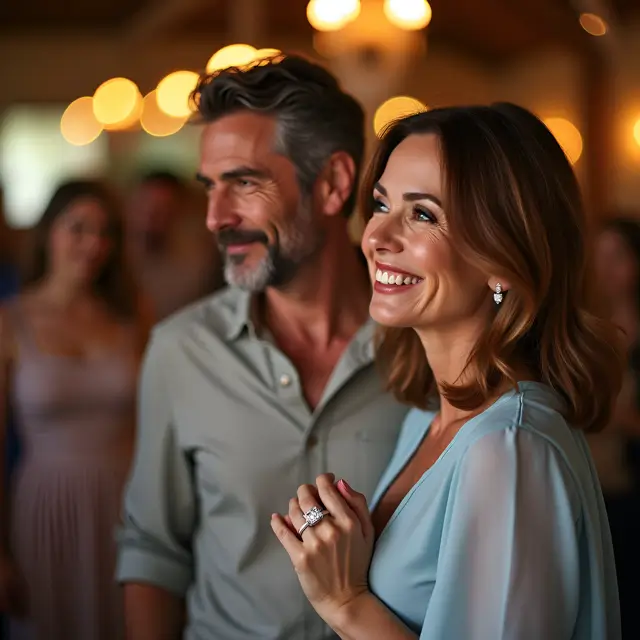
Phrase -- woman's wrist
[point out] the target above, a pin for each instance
(345, 618)
(367, 618)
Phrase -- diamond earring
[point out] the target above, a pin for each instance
(497, 296)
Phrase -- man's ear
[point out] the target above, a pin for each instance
(336, 183)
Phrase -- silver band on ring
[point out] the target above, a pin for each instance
(312, 518)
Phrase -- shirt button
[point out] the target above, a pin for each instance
(312, 441)
(285, 380)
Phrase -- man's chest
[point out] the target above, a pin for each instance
(250, 434)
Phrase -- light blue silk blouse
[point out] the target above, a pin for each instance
(506, 536)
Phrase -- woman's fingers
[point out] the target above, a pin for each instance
(295, 514)
(308, 498)
(289, 524)
(335, 503)
(358, 502)
(287, 537)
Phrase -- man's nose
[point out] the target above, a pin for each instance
(220, 212)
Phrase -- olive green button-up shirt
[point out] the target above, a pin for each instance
(224, 439)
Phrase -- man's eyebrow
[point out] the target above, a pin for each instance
(234, 174)
(244, 172)
(202, 179)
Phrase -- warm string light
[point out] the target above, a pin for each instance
(174, 91)
(593, 24)
(394, 109)
(115, 103)
(411, 15)
(568, 137)
(636, 132)
(332, 15)
(155, 121)
(118, 105)
(78, 124)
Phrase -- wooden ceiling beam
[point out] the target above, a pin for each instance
(557, 19)
(159, 16)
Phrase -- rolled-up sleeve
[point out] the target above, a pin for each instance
(159, 502)
(509, 567)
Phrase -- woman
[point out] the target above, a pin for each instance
(489, 523)
(70, 347)
(616, 451)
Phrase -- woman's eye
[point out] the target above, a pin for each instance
(423, 215)
(379, 206)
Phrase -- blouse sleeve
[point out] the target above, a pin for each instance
(509, 562)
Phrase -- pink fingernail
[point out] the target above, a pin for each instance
(346, 486)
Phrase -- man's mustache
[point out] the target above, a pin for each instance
(228, 237)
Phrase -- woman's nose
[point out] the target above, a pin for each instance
(382, 236)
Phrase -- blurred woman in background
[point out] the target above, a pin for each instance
(70, 347)
(616, 450)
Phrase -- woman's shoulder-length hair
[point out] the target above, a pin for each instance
(514, 208)
(114, 284)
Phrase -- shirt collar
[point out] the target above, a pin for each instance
(233, 308)
(237, 314)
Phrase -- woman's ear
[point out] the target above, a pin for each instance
(494, 281)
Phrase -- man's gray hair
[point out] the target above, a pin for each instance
(315, 117)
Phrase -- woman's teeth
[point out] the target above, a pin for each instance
(384, 277)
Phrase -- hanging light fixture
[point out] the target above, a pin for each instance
(332, 15)
(411, 15)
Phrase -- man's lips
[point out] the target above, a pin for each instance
(235, 249)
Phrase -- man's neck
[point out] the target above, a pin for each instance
(328, 300)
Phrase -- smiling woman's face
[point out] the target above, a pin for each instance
(421, 278)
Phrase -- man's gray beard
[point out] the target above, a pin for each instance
(297, 243)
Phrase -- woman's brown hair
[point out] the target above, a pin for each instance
(513, 210)
(114, 284)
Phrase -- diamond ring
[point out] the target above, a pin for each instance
(312, 518)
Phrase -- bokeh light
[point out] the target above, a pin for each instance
(636, 132)
(593, 24)
(78, 123)
(395, 108)
(131, 120)
(568, 137)
(233, 55)
(408, 14)
(157, 122)
(172, 93)
(263, 55)
(332, 15)
(115, 101)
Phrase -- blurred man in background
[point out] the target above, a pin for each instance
(174, 260)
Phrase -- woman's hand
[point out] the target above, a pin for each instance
(332, 558)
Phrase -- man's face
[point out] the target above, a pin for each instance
(265, 228)
(153, 209)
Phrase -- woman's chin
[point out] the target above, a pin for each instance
(387, 318)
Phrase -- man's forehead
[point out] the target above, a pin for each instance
(244, 136)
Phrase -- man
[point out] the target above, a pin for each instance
(173, 264)
(268, 383)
